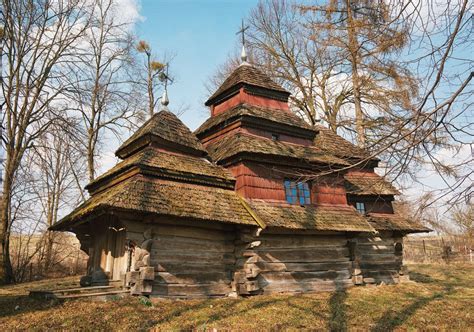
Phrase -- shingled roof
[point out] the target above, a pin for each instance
(164, 128)
(263, 115)
(323, 218)
(148, 195)
(168, 165)
(395, 222)
(329, 142)
(247, 75)
(232, 145)
(368, 183)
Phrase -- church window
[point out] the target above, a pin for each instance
(297, 192)
(360, 207)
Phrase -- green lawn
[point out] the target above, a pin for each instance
(440, 297)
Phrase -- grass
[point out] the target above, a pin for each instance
(439, 297)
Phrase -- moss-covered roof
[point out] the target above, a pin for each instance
(168, 165)
(143, 194)
(368, 183)
(395, 222)
(164, 128)
(329, 142)
(232, 145)
(246, 74)
(323, 218)
(277, 117)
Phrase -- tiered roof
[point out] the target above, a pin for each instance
(264, 117)
(253, 80)
(157, 177)
(166, 130)
(142, 194)
(239, 144)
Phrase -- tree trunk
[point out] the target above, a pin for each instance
(6, 270)
(354, 51)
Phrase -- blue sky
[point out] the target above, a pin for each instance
(201, 34)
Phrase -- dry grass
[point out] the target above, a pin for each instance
(439, 298)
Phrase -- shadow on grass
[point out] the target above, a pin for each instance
(420, 277)
(337, 305)
(15, 305)
(392, 319)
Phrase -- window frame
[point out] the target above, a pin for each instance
(360, 207)
(297, 192)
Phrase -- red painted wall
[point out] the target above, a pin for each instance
(266, 182)
(243, 97)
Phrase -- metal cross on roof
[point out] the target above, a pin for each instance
(242, 30)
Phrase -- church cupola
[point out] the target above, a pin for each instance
(248, 85)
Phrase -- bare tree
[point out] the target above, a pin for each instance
(57, 163)
(102, 85)
(463, 218)
(40, 36)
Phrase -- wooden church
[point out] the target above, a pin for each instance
(255, 201)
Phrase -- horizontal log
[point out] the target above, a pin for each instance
(365, 257)
(297, 232)
(279, 241)
(301, 255)
(376, 240)
(192, 232)
(217, 289)
(302, 267)
(189, 256)
(192, 267)
(375, 251)
(380, 265)
(374, 246)
(195, 257)
(380, 273)
(269, 277)
(167, 242)
(300, 287)
(192, 278)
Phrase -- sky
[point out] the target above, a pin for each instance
(199, 34)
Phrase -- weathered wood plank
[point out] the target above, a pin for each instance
(302, 267)
(217, 289)
(193, 232)
(380, 265)
(269, 277)
(300, 287)
(191, 278)
(166, 242)
(314, 255)
(190, 256)
(192, 267)
(279, 241)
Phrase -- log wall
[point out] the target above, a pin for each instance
(380, 258)
(279, 263)
(190, 261)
